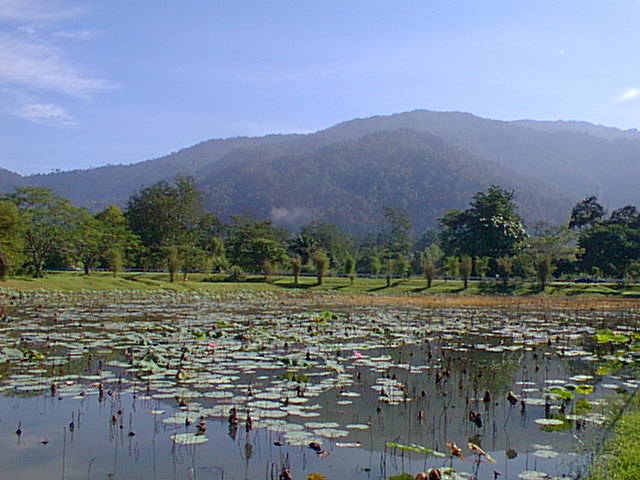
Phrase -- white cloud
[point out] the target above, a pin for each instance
(37, 10)
(80, 35)
(40, 66)
(45, 113)
(629, 94)
(561, 53)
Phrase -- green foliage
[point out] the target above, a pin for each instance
(50, 224)
(612, 248)
(466, 267)
(350, 268)
(167, 214)
(481, 266)
(490, 227)
(236, 274)
(505, 268)
(620, 458)
(429, 268)
(414, 447)
(452, 267)
(11, 240)
(295, 262)
(251, 242)
(586, 213)
(401, 476)
(321, 264)
(192, 259)
(323, 235)
(173, 261)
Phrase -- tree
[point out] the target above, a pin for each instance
(166, 214)
(466, 267)
(544, 268)
(327, 236)
(505, 267)
(117, 236)
(627, 215)
(50, 224)
(296, 266)
(586, 213)
(173, 261)
(11, 243)
(251, 242)
(429, 268)
(452, 267)
(192, 259)
(490, 227)
(114, 261)
(397, 233)
(321, 264)
(350, 268)
(609, 247)
(482, 266)
(547, 246)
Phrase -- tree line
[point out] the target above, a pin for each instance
(166, 227)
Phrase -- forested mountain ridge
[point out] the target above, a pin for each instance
(349, 182)
(424, 161)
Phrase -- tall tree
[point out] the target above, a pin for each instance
(11, 242)
(321, 264)
(166, 214)
(490, 227)
(120, 244)
(586, 213)
(50, 224)
(466, 267)
(251, 242)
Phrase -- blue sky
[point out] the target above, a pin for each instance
(86, 83)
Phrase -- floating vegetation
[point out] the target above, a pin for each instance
(293, 371)
(415, 448)
(188, 438)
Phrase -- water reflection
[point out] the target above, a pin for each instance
(100, 390)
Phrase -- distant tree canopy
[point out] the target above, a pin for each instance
(251, 243)
(490, 227)
(50, 224)
(165, 226)
(166, 214)
(586, 213)
(11, 240)
(610, 245)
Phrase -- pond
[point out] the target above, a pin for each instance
(128, 385)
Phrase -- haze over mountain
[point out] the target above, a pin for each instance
(427, 162)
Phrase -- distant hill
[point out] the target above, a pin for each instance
(427, 162)
(349, 182)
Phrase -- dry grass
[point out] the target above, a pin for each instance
(499, 301)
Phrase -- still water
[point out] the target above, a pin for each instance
(140, 386)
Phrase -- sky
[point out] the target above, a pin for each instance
(92, 82)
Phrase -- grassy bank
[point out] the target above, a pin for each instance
(620, 458)
(416, 287)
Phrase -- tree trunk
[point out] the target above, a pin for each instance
(86, 268)
(466, 282)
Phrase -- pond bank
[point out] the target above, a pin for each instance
(442, 293)
(620, 458)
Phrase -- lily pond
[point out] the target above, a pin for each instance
(132, 385)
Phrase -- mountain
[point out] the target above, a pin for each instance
(425, 161)
(349, 182)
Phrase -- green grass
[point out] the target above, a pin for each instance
(620, 459)
(74, 281)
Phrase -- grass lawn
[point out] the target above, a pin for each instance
(414, 288)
